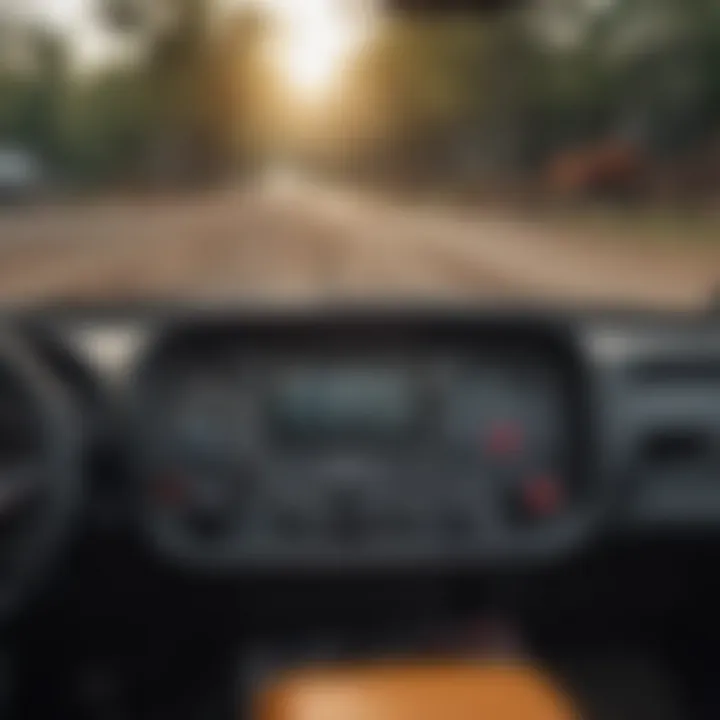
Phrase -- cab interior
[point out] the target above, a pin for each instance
(199, 501)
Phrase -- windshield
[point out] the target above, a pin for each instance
(302, 149)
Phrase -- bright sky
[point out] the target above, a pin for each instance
(78, 18)
(315, 36)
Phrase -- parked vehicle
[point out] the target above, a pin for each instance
(22, 176)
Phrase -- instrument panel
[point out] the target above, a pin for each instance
(347, 445)
(330, 439)
(229, 442)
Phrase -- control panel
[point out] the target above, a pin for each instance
(352, 449)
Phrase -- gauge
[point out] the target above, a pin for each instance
(211, 416)
(505, 406)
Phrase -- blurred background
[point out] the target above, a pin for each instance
(555, 149)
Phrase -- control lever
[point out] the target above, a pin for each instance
(213, 503)
(18, 488)
(714, 302)
(347, 517)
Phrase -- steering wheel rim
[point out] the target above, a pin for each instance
(58, 466)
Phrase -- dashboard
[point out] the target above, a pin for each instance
(243, 440)
(343, 443)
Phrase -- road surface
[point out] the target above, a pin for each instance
(306, 242)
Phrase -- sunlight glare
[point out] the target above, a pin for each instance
(316, 37)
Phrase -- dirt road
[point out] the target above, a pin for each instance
(309, 242)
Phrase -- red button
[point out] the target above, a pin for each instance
(505, 439)
(543, 495)
(170, 490)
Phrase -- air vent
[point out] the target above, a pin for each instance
(679, 447)
(683, 453)
(683, 370)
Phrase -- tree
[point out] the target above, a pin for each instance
(33, 93)
(199, 74)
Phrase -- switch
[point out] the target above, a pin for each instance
(505, 439)
(542, 496)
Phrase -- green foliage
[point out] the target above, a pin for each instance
(418, 93)
(107, 130)
(31, 104)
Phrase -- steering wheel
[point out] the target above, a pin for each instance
(40, 475)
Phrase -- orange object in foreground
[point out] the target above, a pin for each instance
(388, 692)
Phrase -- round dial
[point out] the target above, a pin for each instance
(204, 468)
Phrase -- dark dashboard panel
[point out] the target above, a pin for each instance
(347, 441)
(670, 406)
(316, 438)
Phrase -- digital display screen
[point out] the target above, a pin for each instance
(344, 404)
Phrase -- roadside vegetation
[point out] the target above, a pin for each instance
(554, 107)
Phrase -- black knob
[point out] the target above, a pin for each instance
(400, 520)
(536, 498)
(457, 522)
(208, 524)
(348, 517)
(215, 503)
(290, 523)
